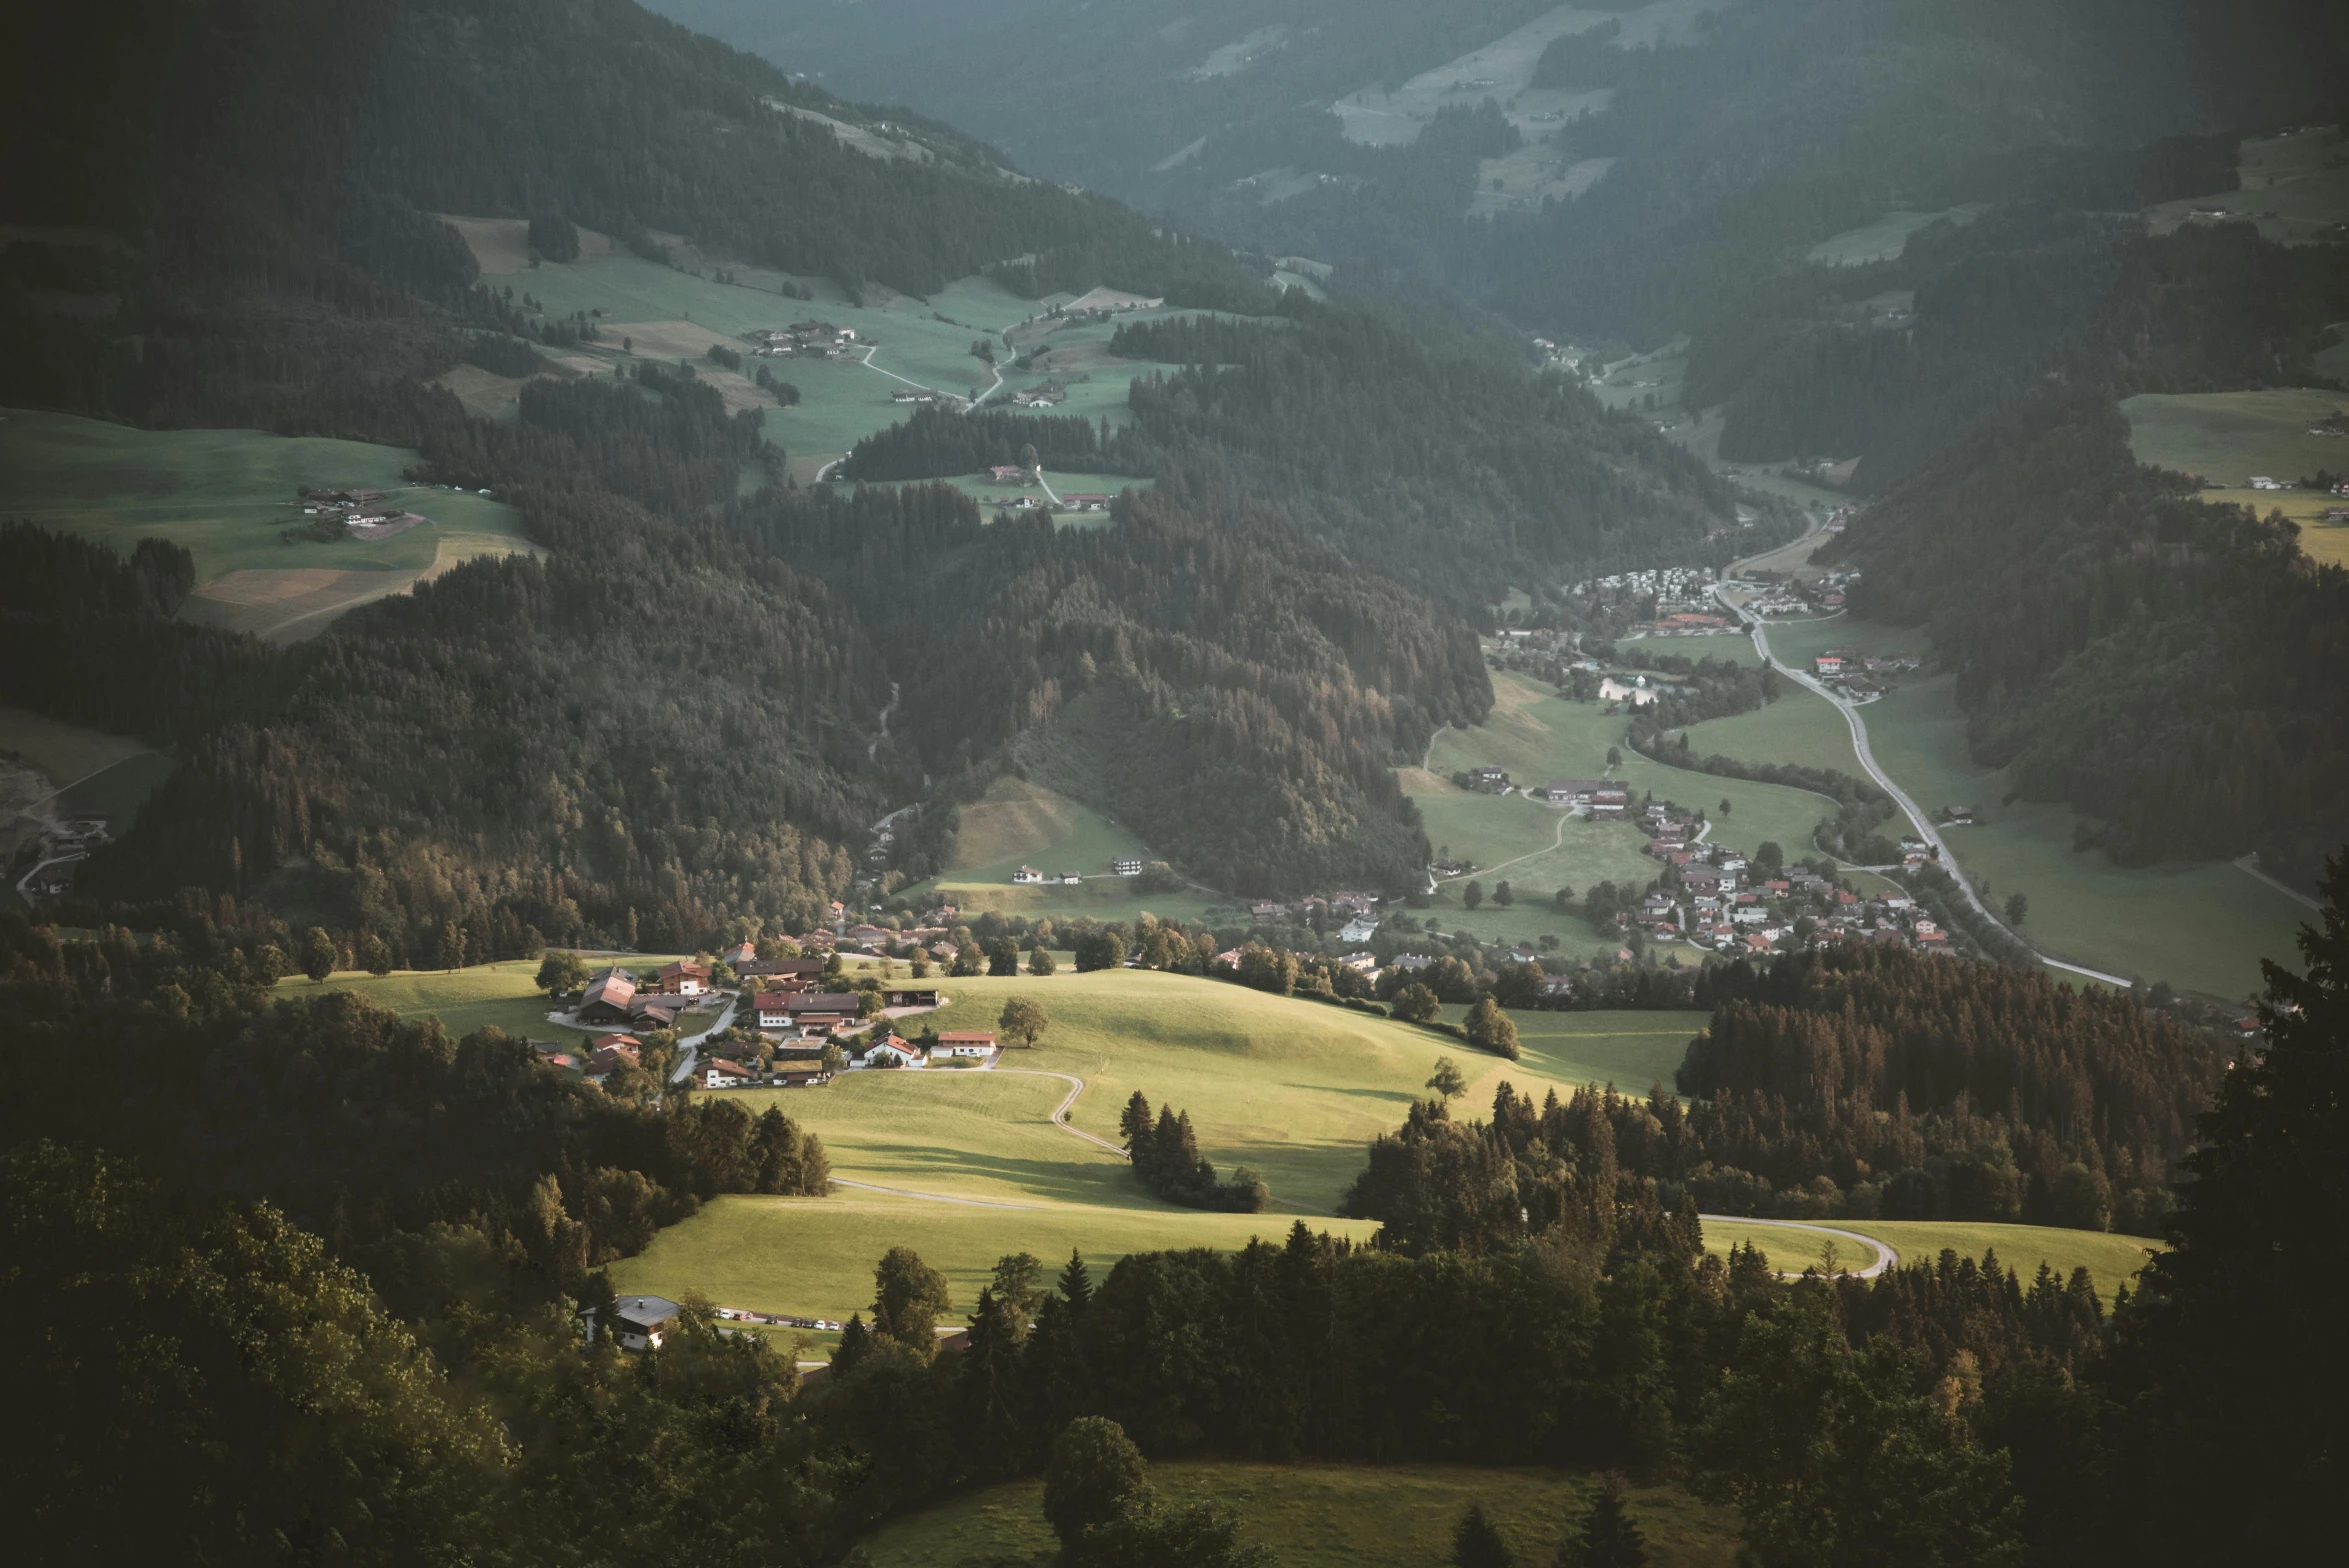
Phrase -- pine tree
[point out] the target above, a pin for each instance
(1076, 1283)
(1476, 1543)
(856, 1342)
(1134, 1123)
(1609, 1538)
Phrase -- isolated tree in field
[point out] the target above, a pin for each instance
(2017, 906)
(1040, 960)
(1477, 1543)
(1472, 896)
(1446, 1079)
(318, 953)
(1095, 1470)
(1609, 1537)
(1490, 1029)
(1003, 957)
(1415, 1004)
(561, 971)
(1769, 857)
(1502, 895)
(1725, 805)
(1614, 756)
(909, 1297)
(1022, 1021)
(1562, 900)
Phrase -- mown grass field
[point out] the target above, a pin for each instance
(814, 1257)
(1801, 727)
(227, 496)
(2112, 1260)
(2228, 437)
(1019, 823)
(2294, 188)
(1887, 237)
(1294, 1088)
(1333, 1516)
(464, 1000)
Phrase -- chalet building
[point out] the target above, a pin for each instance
(783, 974)
(1027, 875)
(686, 978)
(735, 957)
(610, 998)
(1589, 797)
(727, 1075)
(641, 1322)
(823, 1010)
(1126, 866)
(1008, 474)
(1085, 501)
(910, 996)
(891, 1051)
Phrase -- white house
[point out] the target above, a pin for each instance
(1127, 866)
(890, 1051)
(1359, 929)
(1027, 874)
(726, 1075)
(977, 1044)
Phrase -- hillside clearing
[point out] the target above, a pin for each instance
(1332, 1516)
(229, 496)
(2112, 1260)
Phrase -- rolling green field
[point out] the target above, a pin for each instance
(1019, 823)
(814, 1257)
(227, 496)
(1296, 1089)
(2294, 188)
(1801, 727)
(463, 999)
(2112, 1260)
(1333, 1516)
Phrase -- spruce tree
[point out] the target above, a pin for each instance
(1609, 1538)
(1076, 1282)
(1476, 1543)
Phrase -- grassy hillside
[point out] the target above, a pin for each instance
(486, 995)
(814, 1257)
(2227, 437)
(1334, 1516)
(228, 495)
(2112, 1260)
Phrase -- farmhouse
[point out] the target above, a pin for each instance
(823, 1010)
(684, 979)
(1126, 866)
(738, 955)
(1359, 929)
(1070, 879)
(1008, 474)
(1828, 664)
(975, 1043)
(1047, 395)
(910, 996)
(1589, 797)
(1027, 875)
(890, 1051)
(609, 999)
(1639, 694)
(1085, 501)
(726, 1075)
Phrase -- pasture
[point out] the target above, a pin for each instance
(1017, 822)
(1801, 727)
(2111, 1260)
(2295, 190)
(228, 495)
(1294, 1088)
(1888, 236)
(2227, 437)
(1331, 1515)
(499, 995)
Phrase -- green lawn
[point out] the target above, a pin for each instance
(2112, 1260)
(1333, 1516)
(1801, 727)
(1885, 238)
(227, 496)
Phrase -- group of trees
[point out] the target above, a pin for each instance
(1166, 1156)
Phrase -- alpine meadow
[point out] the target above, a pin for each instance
(1083, 784)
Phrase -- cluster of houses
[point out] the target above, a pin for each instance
(1782, 594)
(1029, 876)
(1360, 912)
(1049, 394)
(1683, 587)
(1689, 623)
(1860, 677)
(368, 514)
(804, 340)
(1711, 897)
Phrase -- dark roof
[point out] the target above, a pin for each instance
(822, 1002)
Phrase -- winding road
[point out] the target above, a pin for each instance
(1730, 578)
(1885, 1256)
